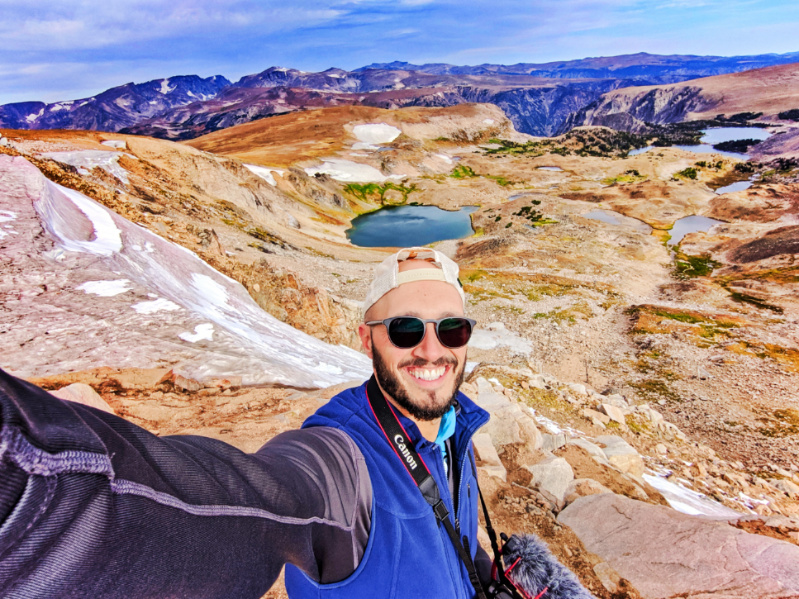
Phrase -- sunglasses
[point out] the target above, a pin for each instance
(406, 332)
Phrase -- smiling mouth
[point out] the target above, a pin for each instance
(427, 374)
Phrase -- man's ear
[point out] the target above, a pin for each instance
(365, 333)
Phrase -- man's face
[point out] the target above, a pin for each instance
(422, 380)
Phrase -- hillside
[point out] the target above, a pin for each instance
(624, 375)
(767, 91)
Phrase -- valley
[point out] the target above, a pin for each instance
(583, 304)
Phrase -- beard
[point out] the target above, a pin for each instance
(428, 405)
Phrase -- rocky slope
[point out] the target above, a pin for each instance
(767, 92)
(610, 361)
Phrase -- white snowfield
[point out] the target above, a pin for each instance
(495, 334)
(690, 502)
(265, 172)
(106, 288)
(372, 134)
(351, 172)
(247, 341)
(6, 216)
(89, 159)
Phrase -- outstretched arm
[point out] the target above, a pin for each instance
(94, 506)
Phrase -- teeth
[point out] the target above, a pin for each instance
(428, 375)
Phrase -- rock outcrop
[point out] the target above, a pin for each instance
(666, 554)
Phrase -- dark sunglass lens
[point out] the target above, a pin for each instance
(406, 332)
(454, 332)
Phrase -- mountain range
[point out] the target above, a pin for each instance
(540, 99)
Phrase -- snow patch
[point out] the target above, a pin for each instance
(106, 288)
(165, 88)
(690, 502)
(265, 172)
(57, 107)
(201, 331)
(159, 305)
(107, 237)
(488, 121)
(118, 144)
(89, 159)
(7, 216)
(346, 170)
(374, 133)
(444, 157)
(247, 341)
(495, 334)
(32, 118)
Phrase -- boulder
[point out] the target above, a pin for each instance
(83, 394)
(593, 449)
(664, 553)
(552, 475)
(609, 578)
(615, 413)
(577, 388)
(622, 455)
(580, 487)
(552, 442)
(485, 451)
(487, 398)
(597, 418)
(787, 487)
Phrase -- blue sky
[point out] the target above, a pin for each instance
(55, 50)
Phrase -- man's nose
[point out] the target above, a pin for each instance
(430, 348)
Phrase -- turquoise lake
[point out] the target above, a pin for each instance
(405, 226)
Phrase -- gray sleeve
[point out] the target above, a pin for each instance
(93, 506)
(323, 468)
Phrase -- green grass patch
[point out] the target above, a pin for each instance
(533, 216)
(686, 267)
(629, 176)
(655, 389)
(463, 171)
(374, 192)
(686, 173)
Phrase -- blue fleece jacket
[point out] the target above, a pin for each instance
(409, 555)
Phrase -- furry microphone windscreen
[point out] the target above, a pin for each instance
(538, 569)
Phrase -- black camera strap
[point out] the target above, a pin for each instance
(398, 439)
(492, 535)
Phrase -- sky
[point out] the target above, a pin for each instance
(52, 50)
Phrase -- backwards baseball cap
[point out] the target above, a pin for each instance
(388, 276)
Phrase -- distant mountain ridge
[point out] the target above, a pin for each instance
(628, 66)
(114, 108)
(540, 99)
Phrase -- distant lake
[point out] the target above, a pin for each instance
(717, 135)
(612, 217)
(737, 186)
(405, 226)
(690, 224)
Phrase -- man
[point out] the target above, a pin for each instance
(93, 506)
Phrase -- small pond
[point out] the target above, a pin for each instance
(612, 217)
(737, 186)
(690, 224)
(717, 135)
(405, 226)
(638, 151)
